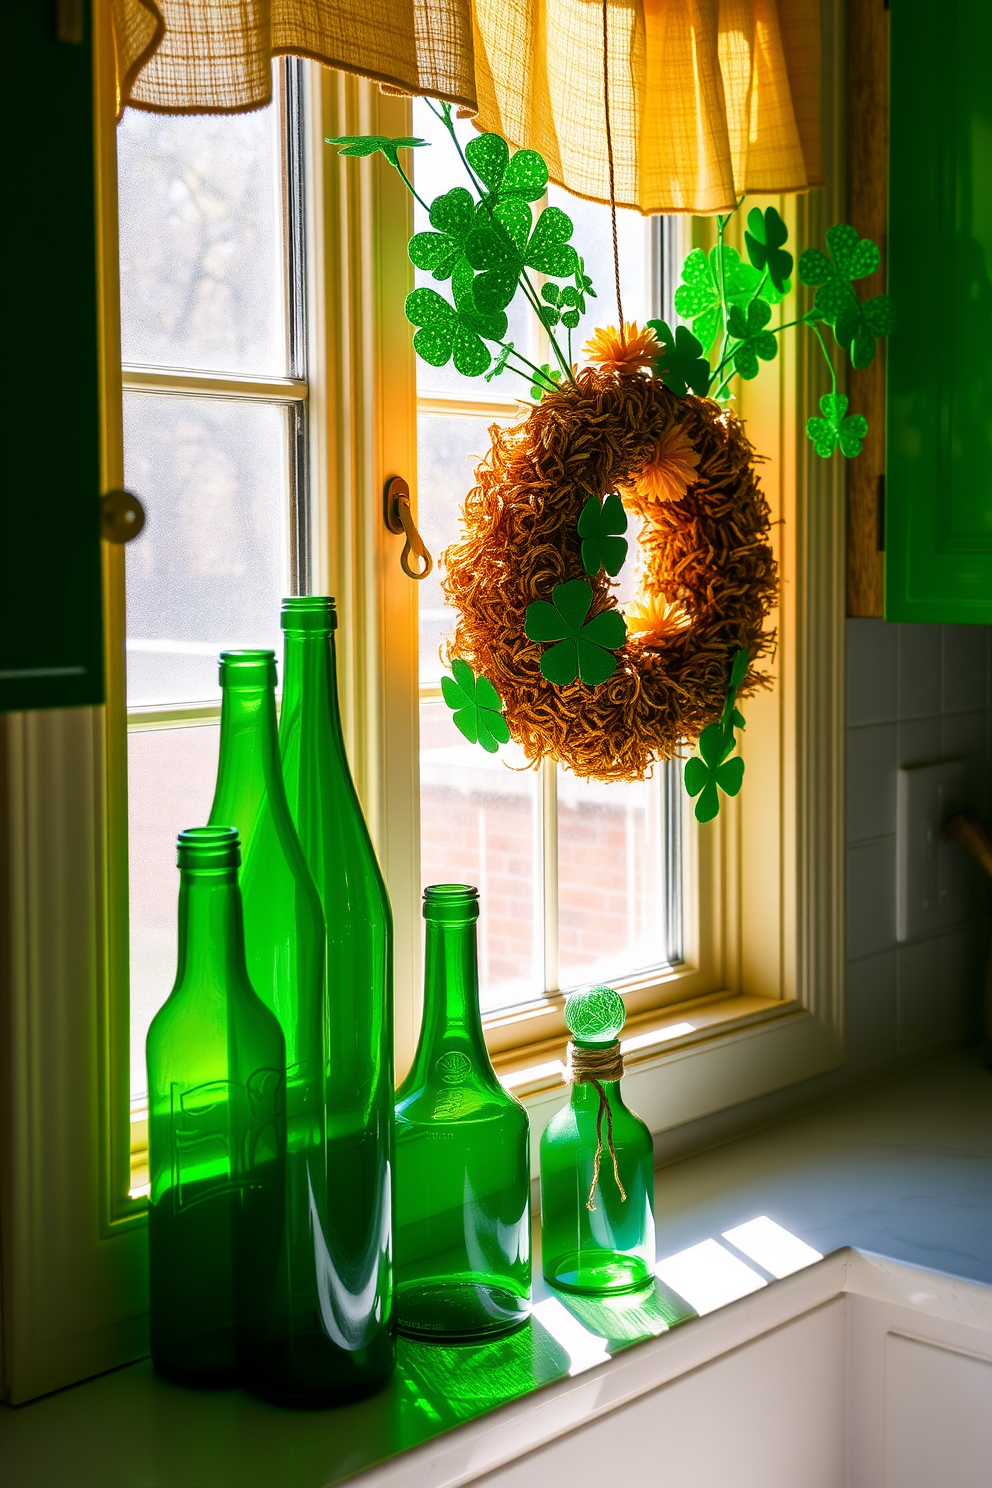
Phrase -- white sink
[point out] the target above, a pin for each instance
(856, 1372)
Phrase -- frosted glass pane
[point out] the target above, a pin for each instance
(449, 449)
(211, 565)
(610, 879)
(171, 774)
(201, 241)
(593, 239)
(478, 826)
(437, 169)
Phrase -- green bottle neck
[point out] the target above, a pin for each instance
(211, 932)
(584, 1095)
(310, 688)
(248, 769)
(451, 995)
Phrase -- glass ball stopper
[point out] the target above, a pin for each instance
(595, 1016)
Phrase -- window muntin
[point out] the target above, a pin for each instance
(214, 337)
(580, 881)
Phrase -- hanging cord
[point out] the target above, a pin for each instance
(589, 1067)
(609, 154)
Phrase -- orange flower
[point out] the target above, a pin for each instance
(654, 619)
(627, 353)
(672, 471)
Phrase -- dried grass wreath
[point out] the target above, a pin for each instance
(708, 581)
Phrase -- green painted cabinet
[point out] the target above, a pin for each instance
(51, 636)
(938, 521)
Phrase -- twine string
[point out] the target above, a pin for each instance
(609, 156)
(591, 1066)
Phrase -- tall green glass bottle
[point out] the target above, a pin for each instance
(216, 1128)
(292, 1352)
(462, 1230)
(597, 1164)
(359, 1074)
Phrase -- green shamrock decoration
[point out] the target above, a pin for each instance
(560, 304)
(504, 248)
(583, 286)
(539, 388)
(477, 707)
(748, 330)
(698, 296)
(523, 175)
(500, 363)
(447, 333)
(764, 238)
(713, 768)
(681, 365)
(454, 216)
(600, 526)
(837, 427)
(857, 324)
(370, 144)
(584, 646)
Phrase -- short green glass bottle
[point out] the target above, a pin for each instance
(216, 1129)
(462, 1228)
(597, 1164)
(359, 1075)
(292, 1352)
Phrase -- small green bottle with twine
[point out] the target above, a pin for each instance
(597, 1164)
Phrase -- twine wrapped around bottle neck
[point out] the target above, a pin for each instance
(591, 1066)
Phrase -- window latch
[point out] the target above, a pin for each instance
(399, 519)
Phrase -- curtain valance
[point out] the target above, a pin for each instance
(708, 98)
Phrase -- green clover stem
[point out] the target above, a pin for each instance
(826, 356)
(412, 189)
(532, 295)
(774, 331)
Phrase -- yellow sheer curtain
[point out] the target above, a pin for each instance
(708, 98)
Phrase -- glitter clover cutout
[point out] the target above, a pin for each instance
(583, 647)
(449, 334)
(507, 245)
(523, 175)
(766, 233)
(698, 297)
(371, 144)
(476, 706)
(681, 365)
(601, 524)
(857, 324)
(837, 427)
(754, 340)
(453, 215)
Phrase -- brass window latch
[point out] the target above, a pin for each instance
(399, 519)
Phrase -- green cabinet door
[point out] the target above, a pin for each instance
(51, 638)
(938, 522)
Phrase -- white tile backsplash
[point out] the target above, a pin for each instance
(916, 694)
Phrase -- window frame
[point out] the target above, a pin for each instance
(764, 912)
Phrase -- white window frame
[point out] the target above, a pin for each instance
(764, 906)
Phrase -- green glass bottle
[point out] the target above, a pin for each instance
(462, 1230)
(292, 1352)
(597, 1164)
(359, 1075)
(216, 1129)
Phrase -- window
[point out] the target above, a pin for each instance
(580, 882)
(214, 347)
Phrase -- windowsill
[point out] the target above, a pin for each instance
(925, 1131)
(648, 1038)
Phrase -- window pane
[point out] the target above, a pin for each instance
(478, 825)
(611, 879)
(211, 565)
(171, 774)
(201, 241)
(593, 239)
(449, 449)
